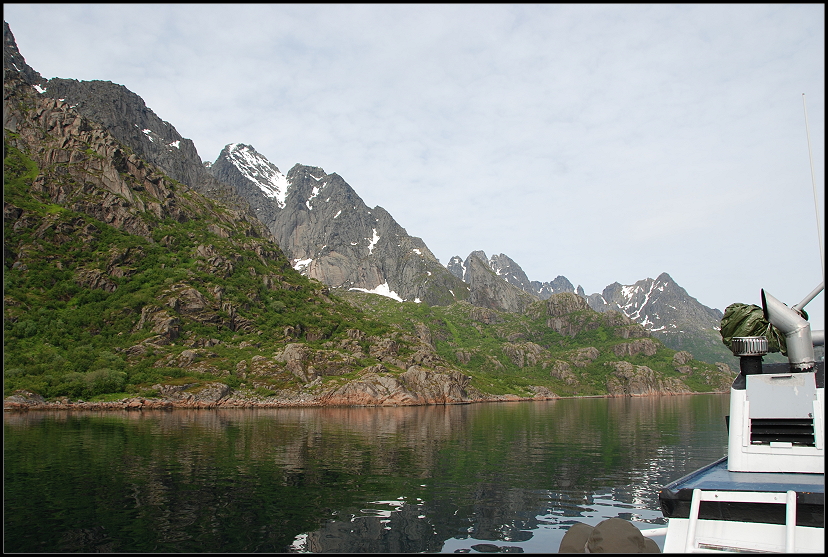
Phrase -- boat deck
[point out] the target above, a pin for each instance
(717, 476)
(810, 495)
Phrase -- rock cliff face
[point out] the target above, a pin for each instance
(507, 269)
(14, 61)
(415, 386)
(331, 235)
(486, 287)
(130, 121)
(630, 380)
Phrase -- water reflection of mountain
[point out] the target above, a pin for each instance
(254, 480)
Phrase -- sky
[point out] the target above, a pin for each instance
(604, 143)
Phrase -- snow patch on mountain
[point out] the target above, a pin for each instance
(314, 194)
(383, 290)
(373, 242)
(260, 171)
(302, 264)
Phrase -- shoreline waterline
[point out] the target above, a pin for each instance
(141, 403)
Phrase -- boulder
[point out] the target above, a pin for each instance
(645, 346)
(631, 380)
(22, 399)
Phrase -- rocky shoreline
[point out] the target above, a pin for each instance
(26, 401)
(375, 387)
(140, 403)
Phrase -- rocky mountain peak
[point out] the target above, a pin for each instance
(666, 310)
(254, 167)
(13, 61)
(507, 269)
(557, 286)
(331, 235)
(488, 281)
(456, 267)
(649, 302)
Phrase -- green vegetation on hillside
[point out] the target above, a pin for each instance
(75, 297)
(491, 352)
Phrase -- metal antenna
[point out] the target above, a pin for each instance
(813, 182)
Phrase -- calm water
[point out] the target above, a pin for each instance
(421, 479)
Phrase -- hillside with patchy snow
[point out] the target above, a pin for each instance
(329, 233)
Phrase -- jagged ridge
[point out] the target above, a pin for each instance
(331, 235)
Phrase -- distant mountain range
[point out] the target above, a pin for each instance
(661, 306)
(329, 234)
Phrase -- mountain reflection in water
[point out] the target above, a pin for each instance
(505, 477)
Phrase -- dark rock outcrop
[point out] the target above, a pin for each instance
(414, 387)
(627, 379)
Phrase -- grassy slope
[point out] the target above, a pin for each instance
(454, 330)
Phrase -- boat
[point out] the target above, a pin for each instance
(768, 493)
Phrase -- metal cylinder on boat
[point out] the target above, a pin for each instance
(750, 351)
(796, 329)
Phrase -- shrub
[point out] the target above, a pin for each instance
(105, 380)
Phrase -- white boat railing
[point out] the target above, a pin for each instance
(788, 499)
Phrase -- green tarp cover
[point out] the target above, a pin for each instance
(748, 320)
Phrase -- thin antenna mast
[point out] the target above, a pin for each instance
(813, 182)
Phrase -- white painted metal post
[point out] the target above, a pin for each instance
(695, 504)
(790, 522)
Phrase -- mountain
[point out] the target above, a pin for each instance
(507, 269)
(126, 286)
(120, 281)
(663, 307)
(335, 239)
(317, 219)
(127, 118)
(331, 235)
(487, 287)
(670, 314)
